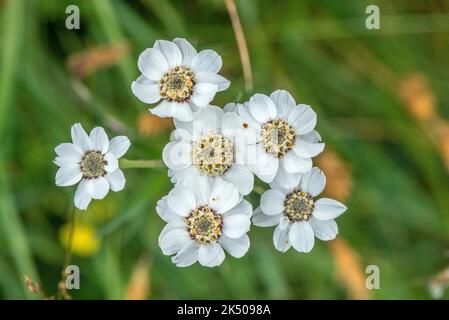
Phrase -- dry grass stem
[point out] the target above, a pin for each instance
(349, 269)
(241, 43)
(86, 62)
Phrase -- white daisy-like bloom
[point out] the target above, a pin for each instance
(91, 160)
(173, 71)
(202, 221)
(291, 206)
(213, 146)
(285, 139)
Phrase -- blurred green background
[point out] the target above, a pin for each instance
(382, 100)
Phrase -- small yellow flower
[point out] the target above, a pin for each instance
(84, 241)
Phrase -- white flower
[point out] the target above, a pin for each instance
(91, 160)
(285, 140)
(202, 221)
(209, 146)
(184, 79)
(298, 217)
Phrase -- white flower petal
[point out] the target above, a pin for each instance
(214, 78)
(224, 196)
(235, 247)
(261, 219)
(301, 236)
(187, 256)
(68, 175)
(292, 163)
(211, 255)
(280, 239)
(252, 126)
(82, 197)
(69, 151)
(172, 241)
(312, 137)
(245, 114)
(203, 185)
(80, 138)
(112, 162)
(181, 200)
(307, 149)
(99, 139)
(98, 188)
(231, 124)
(328, 209)
(207, 60)
(171, 175)
(177, 155)
(62, 162)
(241, 177)
(324, 230)
(178, 110)
(152, 64)
(267, 172)
(187, 50)
(230, 107)
(236, 225)
(284, 222)
(313, 182)
(195, 108)
(183, 131)
(119, 145)
(184, 111)
(170, 51)
(203, 94)
(116, 180)
(272, 202)
(164, 109)
(176, 223)
(264, 165)
(241, 148)
(146, 92)
(243, 208)
(284, 103)
(262, 108)
(191, 176)
(164, 211)
(207, 119)
(184, 174)
(285, 182)
(303, 119)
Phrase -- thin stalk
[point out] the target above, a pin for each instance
(241, 43)
(133, 164)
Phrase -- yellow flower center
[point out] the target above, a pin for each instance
(204, 225)
(213, 154)
(92, 164)
(177, 84)
(278, 137)
(298, 206)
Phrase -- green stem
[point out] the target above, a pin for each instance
(259, 190)
(131, 164)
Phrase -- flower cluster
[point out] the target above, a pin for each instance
(212, 158)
